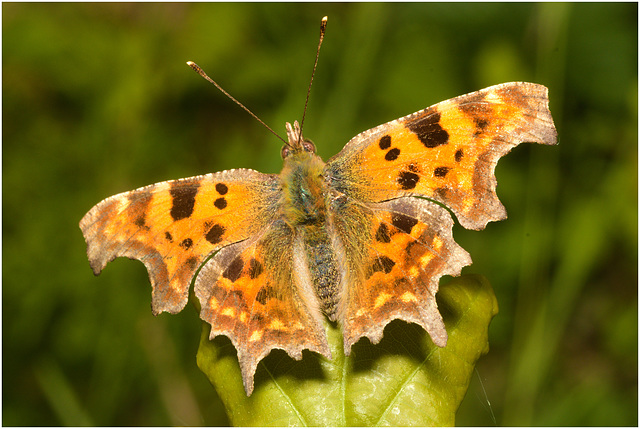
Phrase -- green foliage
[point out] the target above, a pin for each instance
(97, 100)
(405, 380)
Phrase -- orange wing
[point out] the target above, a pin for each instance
(447, 152)
(407, 246)
(172, 226)
(398, 247)
(259, 294)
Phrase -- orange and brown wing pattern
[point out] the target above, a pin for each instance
(410, 246)
(447, 152)
(259, 294)
(172, 226)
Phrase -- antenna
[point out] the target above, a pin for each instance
(197, 69)
(323, 28)
(201, 72)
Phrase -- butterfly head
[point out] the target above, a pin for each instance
(296, 144)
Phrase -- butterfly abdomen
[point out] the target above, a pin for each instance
(323, 267)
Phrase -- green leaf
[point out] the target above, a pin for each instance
(405, 380)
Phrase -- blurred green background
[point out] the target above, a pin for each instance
(97, 100)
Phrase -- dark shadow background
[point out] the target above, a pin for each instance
(97, 100)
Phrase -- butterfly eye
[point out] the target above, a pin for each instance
(309, 146)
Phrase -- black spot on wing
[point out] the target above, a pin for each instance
(392, 154)
(192, 262)
(385, 142)
(234, 270)
(403, 222)
(481, 125)
(261, 297)
(221, 188)
(264, 294)
(408, 180)
(382, 234)
(214, 236)
(255, 268)
(381, 264)
(428, 130)
(441, 171)
(220, 203)
(184, 199)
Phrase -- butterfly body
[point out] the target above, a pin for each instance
(304, 193)
(362, 239)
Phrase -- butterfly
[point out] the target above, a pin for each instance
(361, 239)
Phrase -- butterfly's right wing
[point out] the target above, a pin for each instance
(397, 246)
(173, 226)
(447, 152)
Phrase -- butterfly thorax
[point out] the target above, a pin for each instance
(303, 189)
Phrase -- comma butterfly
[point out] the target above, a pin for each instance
(362, 239)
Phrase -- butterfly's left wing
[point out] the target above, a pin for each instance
(259, 294)
(446, 153)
